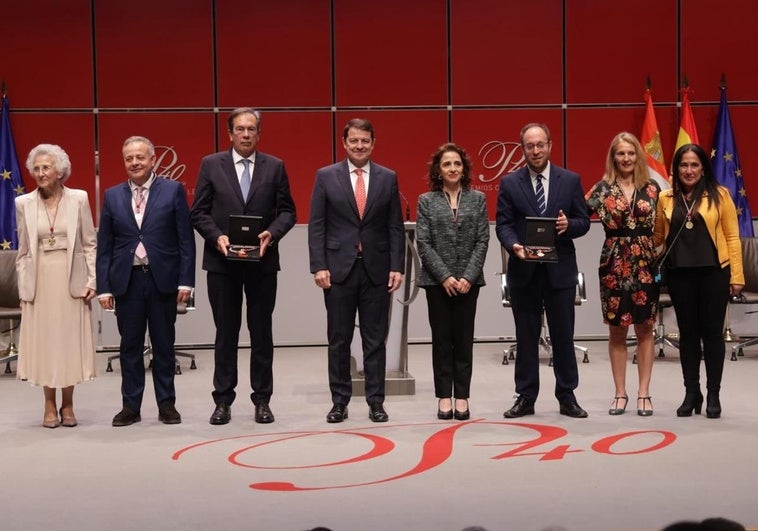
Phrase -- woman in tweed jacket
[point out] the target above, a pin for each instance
(452, 234)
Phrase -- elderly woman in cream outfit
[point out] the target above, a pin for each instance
(56, 282)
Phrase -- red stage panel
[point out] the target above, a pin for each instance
(180, 139)
(74, 132)
(506, 52)
(719, 38)
(405, 141)
(47, 53)
(612, 47)
(154, 54)
(390, 53)
(303, 140)
(590, 132)
(282, 58)
(491, 138)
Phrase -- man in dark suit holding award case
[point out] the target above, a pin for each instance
(542, 189)
(356, 242)
(145, 266)
(242, 181)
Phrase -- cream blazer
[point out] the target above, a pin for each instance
(82, 243)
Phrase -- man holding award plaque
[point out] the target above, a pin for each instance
(540, 210)
(242, 208)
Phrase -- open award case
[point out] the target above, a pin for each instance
(243, 238)
(540, 240)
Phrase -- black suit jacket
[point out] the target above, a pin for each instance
(516, 201)
(335, 229)
(218, 195)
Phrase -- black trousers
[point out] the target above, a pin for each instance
(452, 322)
(225, 296)
(527, 305)
(700, 296)
(143, 307)
(372, 303)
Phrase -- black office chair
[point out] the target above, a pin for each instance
(509, 353)
(10, 305)
(182, 308)
(749, 293)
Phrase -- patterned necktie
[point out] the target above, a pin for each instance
(245, 180)
(139, 209)
(360, 191)
(540, 193)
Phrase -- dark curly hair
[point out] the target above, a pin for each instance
(435, 176)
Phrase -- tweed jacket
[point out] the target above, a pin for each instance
(447, 247)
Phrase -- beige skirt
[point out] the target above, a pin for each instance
(56, 345)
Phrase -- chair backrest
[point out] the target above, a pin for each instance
(505, 294)
(8, 280)
(750, 263)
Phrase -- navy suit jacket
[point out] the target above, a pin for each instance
(516, 201)
(166, 233)
(335, 229)
(218, 195)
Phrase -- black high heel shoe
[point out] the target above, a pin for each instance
(713, 406)
(644, 412)
(444, 415)
(463, 415)
(616, 410)
(693, 401)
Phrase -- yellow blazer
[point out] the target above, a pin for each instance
(722, 226)
(82, 243)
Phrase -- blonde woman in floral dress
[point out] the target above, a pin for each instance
(625, 202)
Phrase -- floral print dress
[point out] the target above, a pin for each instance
(628, 293)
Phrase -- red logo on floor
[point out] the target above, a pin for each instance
(437, 449)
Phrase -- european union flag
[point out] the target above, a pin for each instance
(11, 183)
(727, 169)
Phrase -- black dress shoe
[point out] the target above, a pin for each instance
(263, 413)
(126, 417)
(376, 413)
(572, 409)
(522, 407)
(338, 413)
(221, 415)
(168, 414)
(462, 415)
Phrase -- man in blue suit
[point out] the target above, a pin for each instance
(542, 189)
(242, 181)
(356, 243)
(145, 267)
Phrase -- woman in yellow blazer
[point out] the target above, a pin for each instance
(56, 282)
(697, 221)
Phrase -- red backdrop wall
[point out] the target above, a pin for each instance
(428, 71)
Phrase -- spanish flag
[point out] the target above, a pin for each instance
(687, 129)
(651, 143)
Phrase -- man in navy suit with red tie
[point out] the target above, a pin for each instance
(242, 181)
(145, 266)
(356, 243)
(542, 189)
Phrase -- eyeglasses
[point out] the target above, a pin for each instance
(242, 130)
(540, 146)
(41, 169)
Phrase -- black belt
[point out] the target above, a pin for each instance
(628, 233)
(359, 256)
(142, 267)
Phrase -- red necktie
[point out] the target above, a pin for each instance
(360, 191)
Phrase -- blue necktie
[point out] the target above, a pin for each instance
(540, 192)
(245, 180)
